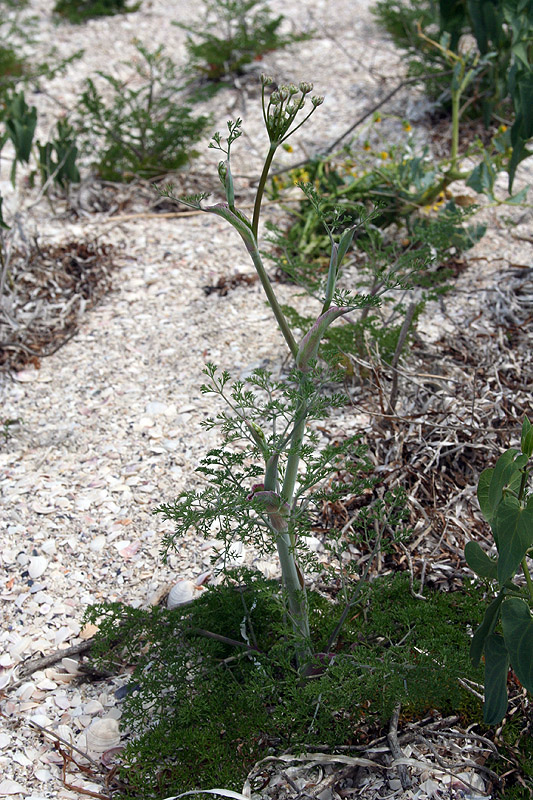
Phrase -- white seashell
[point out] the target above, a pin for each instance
(182, 593)
(71, 665)
(37, 566)
(7, 786)
(93, 707)
(65, 732)
(103, 734)
(235, 555)
(312, 543)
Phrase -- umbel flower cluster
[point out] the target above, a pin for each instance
(283, 106)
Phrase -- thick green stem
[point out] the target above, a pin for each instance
(261, 188)
(456, 99)
(292, 579)
(272, 299)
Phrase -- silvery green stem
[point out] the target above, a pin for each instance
(292, 578)
(261, 188)
(294, 584)
(272, 299)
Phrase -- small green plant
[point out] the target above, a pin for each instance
(505, 636)
(413, 195)
(232, 35)
(147, 128)
(5, 427)
(18, 66)
(81, 10)
(268, 501)
(56, 159)
(20, 122)
(13, 64)
(499, 35)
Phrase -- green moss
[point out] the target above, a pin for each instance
(204, 711)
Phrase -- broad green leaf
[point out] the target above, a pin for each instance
(527, 438)
(479, 561)
(483, 493)
(487, 626)
(496, 669)
(513, 531)
(518, 634)
(503, 472)
(481, 180)
(525, 90)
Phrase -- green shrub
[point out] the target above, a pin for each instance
(80, 10)
(233, 34)
(147, 128)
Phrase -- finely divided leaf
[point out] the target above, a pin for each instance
(479, 562)
(496, 668)
(518, 634)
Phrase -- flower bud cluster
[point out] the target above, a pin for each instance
(284, 104)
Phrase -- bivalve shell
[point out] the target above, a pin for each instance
(103, 734)
(182, 593)
(37, 566)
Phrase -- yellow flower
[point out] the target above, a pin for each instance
(407, 126)
(366, 146)
(384, 155)
(287, 148)
(301, 176)
(376, 117)
(502, 128)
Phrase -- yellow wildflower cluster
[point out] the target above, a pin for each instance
(300, 175)
(441, 199)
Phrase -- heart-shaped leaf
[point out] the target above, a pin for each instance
(486, 627)
(479, 562)
(496, 669)
(518, 634)
(483, 493)
(513, 530)
(503, 472)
